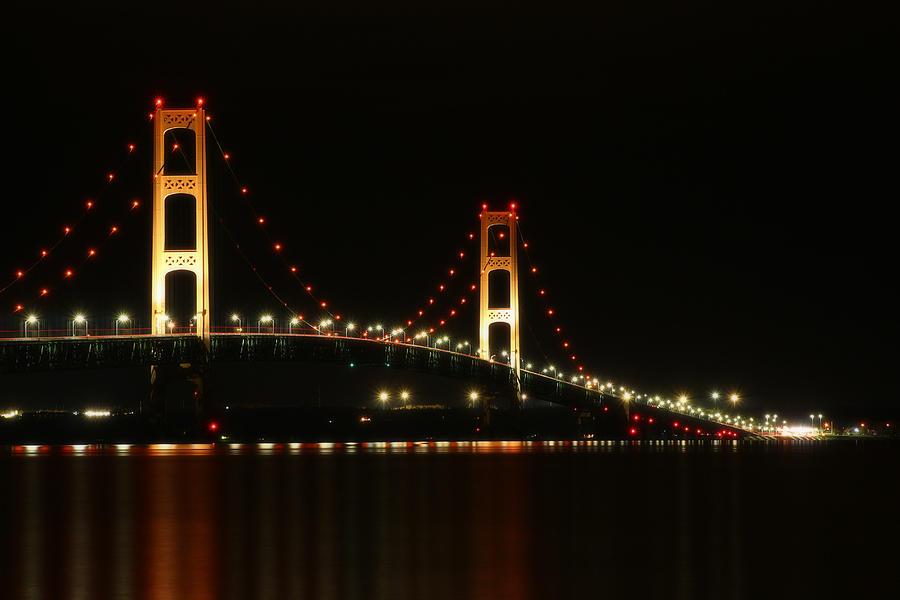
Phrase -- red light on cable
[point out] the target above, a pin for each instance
(441, 287)
(159, 102)
(549, 311)
(200, 101)
(323, 304)
(261, 220)
(452, 272)
(243, 190)
(471, 236)
(18, 308)
(633, 431)
(135, 204)
(111, 175)
(131, 147)
(431, 301)
(293, 269)
(309, 288)
(421, 312)
(213, 426)
(227, 156)
(501, 235)
(67, 230)
(462, 300)
(67, 273)
(91, 252)
(452, 312)
(43, 253)
(484, 207)
(175, 146)
(89, 205)
(524, 244)
(442, 323)
(512, 205)
(277, 247)
(20, 274)
(534, 269)
(473, 286)
(44, 292)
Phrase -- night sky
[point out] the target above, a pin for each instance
(706, 191)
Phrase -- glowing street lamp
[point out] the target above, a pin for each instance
(404, 395)
(31, 320)
(79, 320)
(350, 327)
(473, 397)
(734, 399)
(383, 397)
(123, 318)
(715, 397)
(379, 328)
(293, 322)
(265, 319)
(235, 318)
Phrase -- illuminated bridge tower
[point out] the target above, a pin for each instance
(169, 257)
(499, 265)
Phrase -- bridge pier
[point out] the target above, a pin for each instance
(163, 378)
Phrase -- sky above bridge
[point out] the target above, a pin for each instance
(704, 189)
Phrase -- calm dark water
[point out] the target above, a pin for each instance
(487, 520)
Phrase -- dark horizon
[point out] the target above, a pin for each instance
(701, 190)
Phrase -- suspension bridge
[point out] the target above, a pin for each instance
(183, 352)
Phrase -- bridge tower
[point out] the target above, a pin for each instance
(196, 259)
(493, 261)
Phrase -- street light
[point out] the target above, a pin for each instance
(265, 319)
(350, 327)
(379, 328)
(79, 320)
(31, 320)
(715, 397)
(473, 397)
(383, 397)
(123, 318)
(404, 395)
(237, 319)
(291, 323)
(734, 399)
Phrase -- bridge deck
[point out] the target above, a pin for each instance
(93, 352)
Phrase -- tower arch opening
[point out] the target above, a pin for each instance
(180, 152)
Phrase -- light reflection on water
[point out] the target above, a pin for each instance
(402, 447)
(435, 519)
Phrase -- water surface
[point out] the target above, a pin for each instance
(448, 520)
